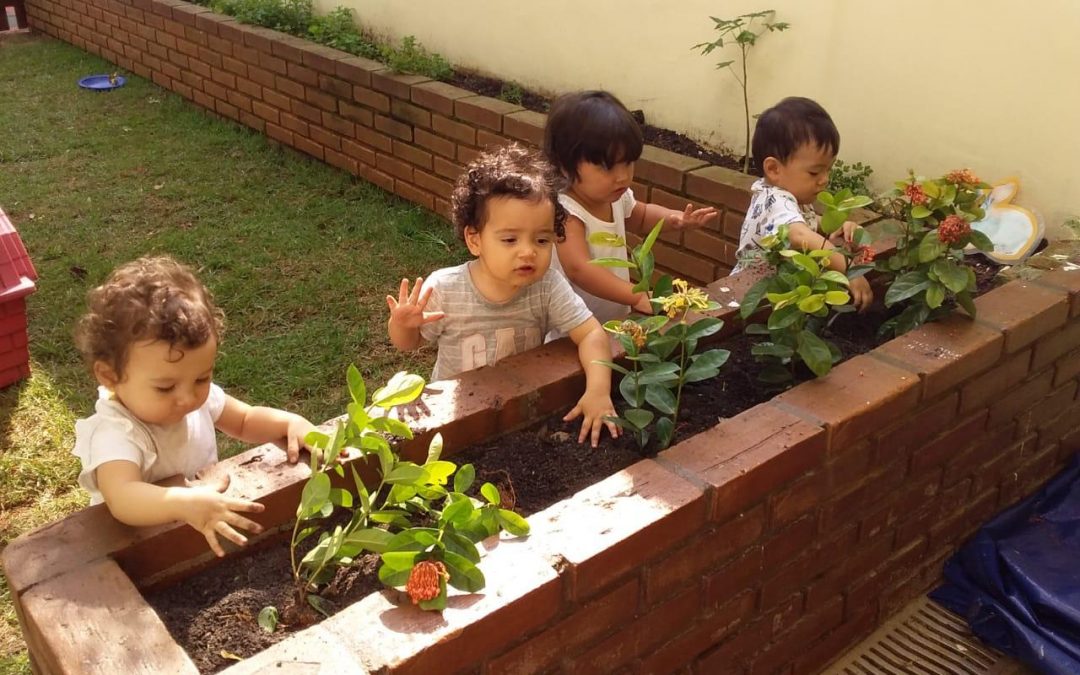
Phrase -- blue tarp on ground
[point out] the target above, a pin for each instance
(1018, 580)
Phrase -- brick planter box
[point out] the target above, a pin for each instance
(17, 276)
(769, 543)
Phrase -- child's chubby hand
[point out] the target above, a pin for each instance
(845, 235)
(407, 310)
(295, 433)
(691, 217)
(862, 296)
(593, 406)
(213, 514)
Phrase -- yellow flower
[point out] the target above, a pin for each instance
(683, 298)
(635, 331)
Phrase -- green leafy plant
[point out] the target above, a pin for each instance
(383, 519)
(928, 270)
(511, 92)
(854, 177)
(287, 16)
(412, 57)
(803, 296)
(337, 29)
(743, 32)
(661, 349)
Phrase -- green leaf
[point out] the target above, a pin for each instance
(491, 493)
(952, 275)
(835, 277)
(458, 512)
(704, 328)
(706, 365)
(663, 346)
(659, 373)
(639, 417)
(981, 241)
(613, 262)
(646, 246)
(920, 212)
(756, 329)
(461, 545)
(396, 567)
(367, 539)
(782, 318)
(316, 439)
(812, 303)
(832, 221)
(342, 498)
(963, 298)
(402, 388)
(513, 523)
(773, 350)
(631, 392)
(464, 575)
(405, 472)
(837, 298)
(438, 472)
(815, 353)
(391, 426)
(775, 374)
(434, 451)
(608, 239)
(935, 295)
(931, 248)
(357, 388)
(315, 495)
(438, 603)
(464, 478)
(807, 263)
(665, 430)
(318, 604)
(614, 366)
(268, 618)
(661, 398)
(905, 286)
(753, 298)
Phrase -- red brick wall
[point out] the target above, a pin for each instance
(405, 133)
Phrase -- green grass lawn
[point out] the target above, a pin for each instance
(299, 255)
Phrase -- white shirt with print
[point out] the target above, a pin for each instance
(770, 207)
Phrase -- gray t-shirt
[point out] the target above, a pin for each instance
(476, 332)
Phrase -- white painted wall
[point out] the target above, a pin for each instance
(926, 84)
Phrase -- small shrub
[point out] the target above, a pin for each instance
(512, 92)
(287, 16)
(852, 177)
(338, 30)
(411, 57)
(660, 348)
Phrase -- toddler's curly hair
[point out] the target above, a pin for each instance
(152, 298)
(510, 171)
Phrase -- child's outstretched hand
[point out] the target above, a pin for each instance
(692, 217)
(295, 432)
(407, 311)
(594, 407)
(213, 514)
(845, 235)
(861, 293)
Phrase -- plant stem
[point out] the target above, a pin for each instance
(746, 109)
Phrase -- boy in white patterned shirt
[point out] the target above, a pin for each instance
(506, 208)
(795, 144)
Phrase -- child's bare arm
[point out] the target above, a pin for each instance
(135, 502)
(574, 258)
(645, 216)
(259, 424)
(803, 238)
(593, 345)
(407, 315)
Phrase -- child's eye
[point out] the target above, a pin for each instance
(543, 241)
(165, 390)
(510, 240)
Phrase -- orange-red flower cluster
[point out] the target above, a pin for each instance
(953, 229)
(424, 580)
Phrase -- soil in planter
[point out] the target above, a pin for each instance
(661, 138)
(214, 615)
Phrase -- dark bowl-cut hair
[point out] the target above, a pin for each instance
(511, 171)
(590, 126)
(790, 124)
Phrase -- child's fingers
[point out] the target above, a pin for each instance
(292, 451)
(215, 545)
(415, 295)
(234, 504)
(597, 426)
(433, 316)
(612, 428)
(403, 292)
(391, 303)
(573, 414)
(225, 530)
(425, 296)
(237, 520)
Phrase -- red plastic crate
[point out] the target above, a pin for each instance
(17, 277)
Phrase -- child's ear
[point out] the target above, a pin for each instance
(472, 239)
(771, 168)
(105, 375)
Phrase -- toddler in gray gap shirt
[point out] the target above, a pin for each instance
(506, 208)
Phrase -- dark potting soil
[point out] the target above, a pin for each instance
(530, 100)
(213, 615)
